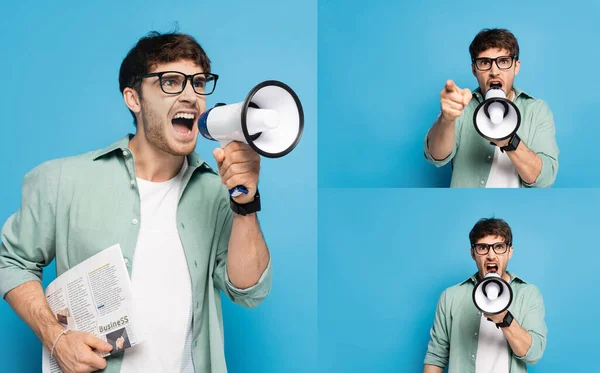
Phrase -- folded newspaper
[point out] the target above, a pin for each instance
(95, 296)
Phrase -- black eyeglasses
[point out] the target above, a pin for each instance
(484, 248)
(503, 63)
(174, 82)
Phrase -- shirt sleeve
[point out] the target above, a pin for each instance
(543, 143)
(252, 296)
(534, 323)
(443, 162)
(438, 349)
(28, 236)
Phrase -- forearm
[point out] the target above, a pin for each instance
(518, 338)
(527, 163)
(247, 256)
(30, 304)
(440, 139)
(432, 369)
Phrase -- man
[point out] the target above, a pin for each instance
(151, 193)
(465, 340)
(527, 159)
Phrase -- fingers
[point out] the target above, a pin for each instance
(450, 86)
(240, 168)
(97, 343)
(467, 96)
(247, 179)
(453, 100)
(236, 157)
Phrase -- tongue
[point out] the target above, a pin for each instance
(180, 128)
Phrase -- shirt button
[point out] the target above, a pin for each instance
(125, 153)
(126, 261)
(482, 182)
(489, 157)
(134, 221)
(132, 182)
(475, 333)
(473, 356)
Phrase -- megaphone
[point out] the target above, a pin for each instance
(492, 295)
(496, 118)
(270, 120)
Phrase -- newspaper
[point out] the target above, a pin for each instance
(95, 296)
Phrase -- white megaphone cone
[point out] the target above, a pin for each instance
(270, 120)
(496, 118)
(492, 295)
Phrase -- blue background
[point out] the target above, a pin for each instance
(382, 65)
(384, 264)
(60, 97)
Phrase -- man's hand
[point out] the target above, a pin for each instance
(75, 353)
(496, 319)
(239, 164)
(454, 100)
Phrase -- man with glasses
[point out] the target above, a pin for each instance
(465, 340)
(169, 211)
(527, 159)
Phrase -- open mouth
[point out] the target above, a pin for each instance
(495, 84)
(183, 123)
(491, 267)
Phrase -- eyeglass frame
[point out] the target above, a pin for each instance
(492, 246)
(495, 60)
(187, 77)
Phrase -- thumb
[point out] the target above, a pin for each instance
(467, 96)
(98, 344)
(219, 155)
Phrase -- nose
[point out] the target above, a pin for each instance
(188, 94)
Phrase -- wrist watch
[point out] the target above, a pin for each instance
(246, 208)
(512, 144)
(508, 319)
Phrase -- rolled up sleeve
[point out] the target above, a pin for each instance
(535, 324)
(443, 162)
(250, 297)
(438, 349)
(543, 143)
(28, 236)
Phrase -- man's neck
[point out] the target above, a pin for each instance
(151, 163)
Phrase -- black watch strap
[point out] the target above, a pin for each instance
(246, 208)
(512, 144)
(508, 319)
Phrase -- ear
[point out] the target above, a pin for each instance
(517, 66)
(132, 100)
(510, 252)
(473, 70)
(473, 254)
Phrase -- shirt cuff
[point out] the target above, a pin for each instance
(257, 292)
(429, 157)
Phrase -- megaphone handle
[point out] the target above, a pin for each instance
(240, 189)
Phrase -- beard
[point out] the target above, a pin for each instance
(156, 134)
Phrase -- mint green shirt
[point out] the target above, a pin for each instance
(472, 155)
(454, 335)
(72, 208)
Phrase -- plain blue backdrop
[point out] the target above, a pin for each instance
(382, 65)
(384, 261)
(60, 97)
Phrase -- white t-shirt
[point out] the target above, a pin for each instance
(492, 349)
(161, 284)
(503, 173)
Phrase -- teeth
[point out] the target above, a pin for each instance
(184, 116)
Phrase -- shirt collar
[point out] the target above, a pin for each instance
(122, 144)
(518, 92)
(473, 278)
